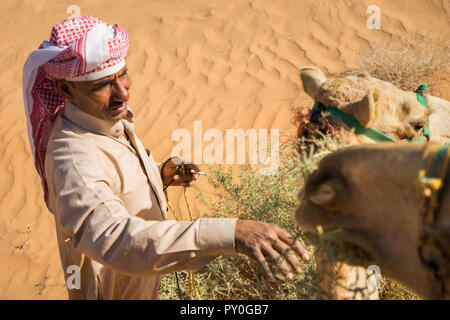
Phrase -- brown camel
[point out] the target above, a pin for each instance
(393, 202)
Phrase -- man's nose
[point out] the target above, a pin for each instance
(120, 93)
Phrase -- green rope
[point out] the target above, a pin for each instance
(350, 121)
(419, 92)
(421, 98)
(373, 134)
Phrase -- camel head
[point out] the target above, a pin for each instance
(373, 103)
(369, 196)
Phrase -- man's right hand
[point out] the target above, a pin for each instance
(260, 240)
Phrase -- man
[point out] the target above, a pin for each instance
(104, 189)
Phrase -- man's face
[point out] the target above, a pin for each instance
(104, 98)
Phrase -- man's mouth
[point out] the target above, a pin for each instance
(117, 107)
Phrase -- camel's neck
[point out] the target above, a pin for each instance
(445, 199)
(441, 238)
(443, 212)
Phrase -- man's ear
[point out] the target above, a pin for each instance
(65, 89)
(312, 78)
(328, 194)
(365, 111)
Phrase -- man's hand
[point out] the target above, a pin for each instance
(260, 241)
(172, 170)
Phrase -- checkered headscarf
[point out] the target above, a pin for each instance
(80, 49)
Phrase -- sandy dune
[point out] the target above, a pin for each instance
(231, 64)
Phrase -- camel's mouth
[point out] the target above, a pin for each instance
(335, 246)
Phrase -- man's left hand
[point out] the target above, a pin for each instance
(173, 170)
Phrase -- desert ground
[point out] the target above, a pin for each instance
(229, 64)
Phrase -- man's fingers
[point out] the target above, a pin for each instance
(190, 166)
(294, 244)
(173, 163)
(301, 250)
(180, 177)
(263, 263)
(172, 170)
(178, 161)
(182, 180)
(262, 240)
(288, 254)
(177, 182)
(278, 260)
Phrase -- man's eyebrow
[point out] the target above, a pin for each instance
(108, 81)
(124, 72)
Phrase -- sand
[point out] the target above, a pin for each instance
(230, 64)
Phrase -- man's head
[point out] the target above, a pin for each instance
(98, 82)
(83, 62)
(104, 98)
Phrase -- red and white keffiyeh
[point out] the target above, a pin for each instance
(80, 49)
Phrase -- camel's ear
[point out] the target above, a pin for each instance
(365, 111)
(312, 78)
(328, 194)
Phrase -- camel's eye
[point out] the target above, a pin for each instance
(418, 127)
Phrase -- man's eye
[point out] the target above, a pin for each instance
(123, 74)
(100, 86)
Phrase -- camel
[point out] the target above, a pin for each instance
(392, 201)
(377, 110)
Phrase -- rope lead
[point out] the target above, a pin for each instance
(193, 291)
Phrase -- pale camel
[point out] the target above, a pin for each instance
(378, 105)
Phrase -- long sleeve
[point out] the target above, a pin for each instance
(98, 224)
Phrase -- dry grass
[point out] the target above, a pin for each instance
(409, 62)
(393, 290)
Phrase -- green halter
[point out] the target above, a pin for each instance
(373, 134)
(420, 97)
(350, 121)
